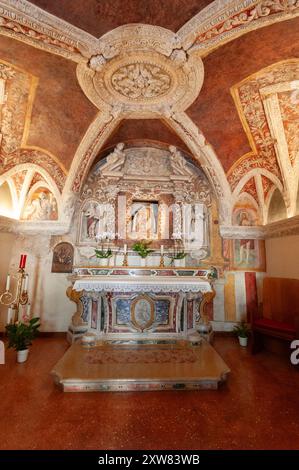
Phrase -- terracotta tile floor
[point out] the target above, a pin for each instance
(257, 409)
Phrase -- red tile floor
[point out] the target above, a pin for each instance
(257, 409)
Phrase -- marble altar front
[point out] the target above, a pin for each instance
(139, 304)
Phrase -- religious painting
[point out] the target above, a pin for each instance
(248, 254)
(142, 312)
(63, 256)
(97, 221)
(144, 217)
(42, 205)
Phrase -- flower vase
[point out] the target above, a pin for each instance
(243, 341)
(177, 263)
(22, 355)
(143, 262)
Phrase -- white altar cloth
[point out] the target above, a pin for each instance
(142, 284)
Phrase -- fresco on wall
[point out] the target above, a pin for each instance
(248, 254)
(245, 216)
(42, 205)
(63, 256)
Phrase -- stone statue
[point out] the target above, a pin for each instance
(115, 160)
(178, 163)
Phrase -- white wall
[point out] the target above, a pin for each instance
(282, 256)
(6, 247)
(47, 291)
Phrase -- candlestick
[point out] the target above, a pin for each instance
(15, 300)
(162, 261)
(26, 282)
(7, 283)
(9, 315)
(22, 261)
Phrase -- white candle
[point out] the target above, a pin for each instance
(162, 250)
(28, 310)
(7, 282)
(9, 315)
(26, 283)
(125, 248)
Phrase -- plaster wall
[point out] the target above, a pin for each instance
(282, 256)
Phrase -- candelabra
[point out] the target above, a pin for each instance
(125, 261)
(20, 298)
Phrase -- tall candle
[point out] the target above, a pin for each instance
(162, 250)
(28, 310)
(22, 261)
(9, 315)
(26, 283)
(125, 248)
(7, 282)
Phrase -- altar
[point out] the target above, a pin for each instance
(139, 304)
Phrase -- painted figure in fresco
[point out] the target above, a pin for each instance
(43, 206)
(245, 245)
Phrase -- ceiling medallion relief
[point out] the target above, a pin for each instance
(147, 75)
(141, 81)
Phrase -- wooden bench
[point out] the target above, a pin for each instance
(278, 315)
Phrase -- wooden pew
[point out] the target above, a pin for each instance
(278, 315)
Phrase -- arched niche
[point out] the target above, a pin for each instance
(277, 209)
(6, 202)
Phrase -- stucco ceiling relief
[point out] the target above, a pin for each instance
(222, 21)
(271, 129)
(144, 70)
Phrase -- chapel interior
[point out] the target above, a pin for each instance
(149, 218)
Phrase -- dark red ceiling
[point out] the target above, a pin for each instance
(100, 16)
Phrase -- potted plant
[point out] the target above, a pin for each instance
(242, 331)
(143, 250)
(178, 258)
(20, 336)
(103, 255)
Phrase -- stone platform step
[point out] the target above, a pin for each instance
(123, 367)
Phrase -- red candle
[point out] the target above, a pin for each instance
(22, 261)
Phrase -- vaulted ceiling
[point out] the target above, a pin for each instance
(244, 47)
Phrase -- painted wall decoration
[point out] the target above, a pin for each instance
(63, 256)
(144, 220)
(245, 216)
(248, 254)
(42, 205)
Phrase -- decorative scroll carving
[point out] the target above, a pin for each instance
(24, 21)
(220, 22)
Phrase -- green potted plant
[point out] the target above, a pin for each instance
(242, 331)
(177, 258)
(20, 335)
(103, 255)
(142, 248)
